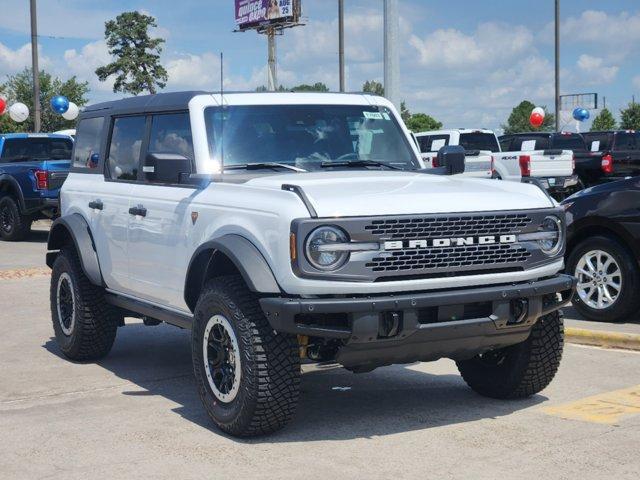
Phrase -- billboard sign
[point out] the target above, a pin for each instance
(262, 13)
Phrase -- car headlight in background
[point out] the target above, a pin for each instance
(552, 227)
(323, 248)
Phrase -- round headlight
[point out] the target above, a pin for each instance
(318, 248)
(553, 244)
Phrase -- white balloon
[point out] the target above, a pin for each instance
(19, 112)
(72, 112)
(539, 110)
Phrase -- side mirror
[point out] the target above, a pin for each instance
(169, 168)
(451, 157)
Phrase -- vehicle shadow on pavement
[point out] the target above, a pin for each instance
(335, 404)
(37, 236)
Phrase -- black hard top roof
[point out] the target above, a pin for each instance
(146, 103)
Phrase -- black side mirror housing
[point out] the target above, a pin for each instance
(451, 158)
(171, 168)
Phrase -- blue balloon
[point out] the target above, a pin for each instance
(59, 104)
(581, 114)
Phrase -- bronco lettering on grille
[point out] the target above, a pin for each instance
(448, 242)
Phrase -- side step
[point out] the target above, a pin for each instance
(149, 310)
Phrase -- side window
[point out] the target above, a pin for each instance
(505, 144)
(124, 148)
(424, 142)
(86, 152)
(625, 141)
(171, 133)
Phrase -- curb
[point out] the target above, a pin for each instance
(601, 338)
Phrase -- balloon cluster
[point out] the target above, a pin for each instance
(536, 119)
(581, 114)
(60, 104)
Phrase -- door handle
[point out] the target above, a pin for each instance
(138, 211)
(96, 205)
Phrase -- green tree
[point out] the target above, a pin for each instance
(263, 88)
(404, 112)
(371, 86)
(603, 121)
(137, 65)
(518, 121)
(19, 88)
(316, 87)
(421, 122)
(630, 117)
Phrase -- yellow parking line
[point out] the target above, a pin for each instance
(607, 408)
(24, 273)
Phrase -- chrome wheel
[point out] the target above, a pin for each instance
(599, 279)
(65, 302)
(221, 358)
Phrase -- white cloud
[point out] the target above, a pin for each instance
(12, 61)
(84, 63)
(595, 70)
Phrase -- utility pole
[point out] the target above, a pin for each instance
(391, 57)
(341, 42)
(557, 73)
(273, 73)
(34, 67)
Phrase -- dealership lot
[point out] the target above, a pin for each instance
(138, 411)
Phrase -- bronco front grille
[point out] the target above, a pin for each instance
(447, 226)
(448, 258)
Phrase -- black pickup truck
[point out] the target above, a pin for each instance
(618, 152)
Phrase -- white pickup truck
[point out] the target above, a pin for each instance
(510, 160)
(478, 160)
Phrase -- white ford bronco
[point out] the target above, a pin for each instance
(289, 227)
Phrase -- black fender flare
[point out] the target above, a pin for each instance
(14, 186)
(76, 228)
(245, 257)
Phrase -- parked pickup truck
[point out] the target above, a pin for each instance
(32, 170)
(478, 149)
(546, 156)
(608, 156)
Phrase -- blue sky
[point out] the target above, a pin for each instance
(465, 62)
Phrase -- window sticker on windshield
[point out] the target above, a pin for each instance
(438, 144)
(595, 145)
(372, 115)
(528, 145)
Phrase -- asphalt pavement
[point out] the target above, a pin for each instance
(137, 413)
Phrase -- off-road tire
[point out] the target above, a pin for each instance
(270, 362)
(628, 301)
(525, 368)
(19, 225)
(94, 327)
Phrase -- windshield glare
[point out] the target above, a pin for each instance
(307, 136)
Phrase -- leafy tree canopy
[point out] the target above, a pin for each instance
(630, 117)
(518, 121)
(371, 86)
(421, 122)
(603, 121)
(136, 65)
(19, 88)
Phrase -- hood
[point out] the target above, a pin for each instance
(370, 193)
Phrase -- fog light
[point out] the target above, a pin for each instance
(518, 310)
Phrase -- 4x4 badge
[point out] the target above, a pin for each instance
(194, 217)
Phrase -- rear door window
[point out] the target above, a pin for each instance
(529, 143)
(36, 148)
(479, 141)
(123, 159)
(571, 141)
(597, 142)
(86, 154)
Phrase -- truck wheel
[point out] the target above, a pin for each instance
(13, 225)
(608, 279)
(247, 375)
(521, 370)
(84, 324)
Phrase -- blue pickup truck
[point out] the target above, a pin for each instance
(33, 167)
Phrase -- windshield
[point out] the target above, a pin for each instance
(573, 142)
(479, 141)
(36, 148)
(309, 137)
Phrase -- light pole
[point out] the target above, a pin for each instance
(557, 59)
(341, 42)
(273, 73)
(34, 67)
(391, 60)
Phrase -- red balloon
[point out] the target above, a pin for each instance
(536, 119)
(3, 105)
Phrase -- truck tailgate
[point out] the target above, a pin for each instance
(551, 163)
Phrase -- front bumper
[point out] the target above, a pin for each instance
(558, 183)
(458, 323)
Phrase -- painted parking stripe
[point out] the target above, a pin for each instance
(608, 408)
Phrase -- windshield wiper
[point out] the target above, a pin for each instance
(358, 163)
(263, 165)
